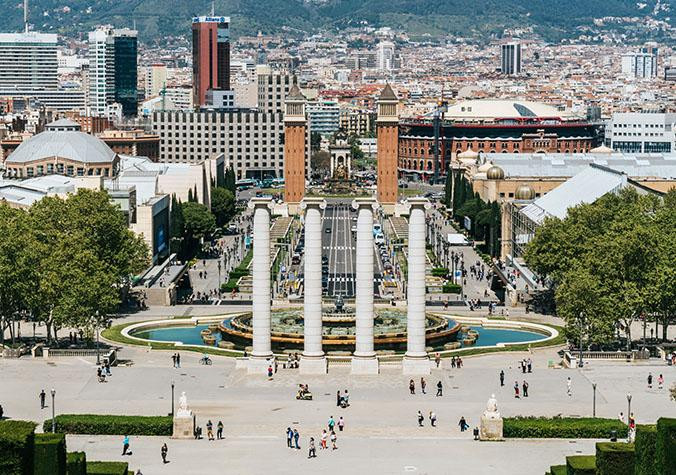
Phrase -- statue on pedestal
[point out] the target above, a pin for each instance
(184, 420)
(183, 410)
(492, 408)
(491, 421)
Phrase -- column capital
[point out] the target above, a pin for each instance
(260, 202)
(310, 201)
(364, 202)
(418, 202)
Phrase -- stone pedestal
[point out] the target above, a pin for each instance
(365, 365)
(413, 366)
(313, 365)
(490, 428)
(184, 425)
(257, 365)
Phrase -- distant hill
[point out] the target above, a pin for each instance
(551, 19)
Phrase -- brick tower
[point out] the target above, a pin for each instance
(388, 149)
(295, 125)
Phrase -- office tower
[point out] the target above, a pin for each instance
(641, 64)
(324, 116)
(385, 56)
(28, 61)
(210, 56)
(112, 70)
(511, 58)
(155, 79)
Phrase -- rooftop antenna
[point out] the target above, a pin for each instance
(213, 7)
(134, 23)
(25, 15)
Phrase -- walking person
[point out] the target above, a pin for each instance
(42, 399)
(219, 430)
(312, 453)
(338, 398)
(437, 359)
(433, 419)
(525, 388)
(516, 389)
(333, 441)
(569, 386)
(173, 359)
(346, 398)
(289, 437)
(178, 360)
(341, 424)
(331, 423)
(463, 424)
(125, 445)
(650, 380)
(420, 419)
(439, 389)
(411, 386)
(210, 430)
(269, 371)
(163, 452)
(296, 436)
(422, 385)
(530, 365)
(660, 382)
(502, 378)
(324, 439)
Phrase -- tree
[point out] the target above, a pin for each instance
(320, 160)
(177, 226)
(199, 222)
(315, 141)
(222, 205)
(230, 181)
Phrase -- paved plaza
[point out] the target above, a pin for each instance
(381, 433)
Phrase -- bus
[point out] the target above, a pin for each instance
(246, 183)
(278, 183)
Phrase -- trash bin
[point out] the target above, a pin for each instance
(613, 436)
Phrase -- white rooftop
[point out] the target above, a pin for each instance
(72, 145)
(30, 37)
(502, 109)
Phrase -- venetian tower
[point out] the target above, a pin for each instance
(295, 128)
(388, 149)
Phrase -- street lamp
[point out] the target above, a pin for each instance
(594, 406)
(98, 358)
(172, 398)
(628, 407)
(53, 411)
(581, 320)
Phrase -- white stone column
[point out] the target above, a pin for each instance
(313, 360)
(416, 360)
(261, 356)
(364, 360)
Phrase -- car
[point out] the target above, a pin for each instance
(380, 238)
(295, 260)
(325, 260)
(327, 230)
(353, 228)
(387, 266)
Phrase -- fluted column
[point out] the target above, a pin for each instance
(262, 346)
(416, 360)
(364, 360)
(313, 361)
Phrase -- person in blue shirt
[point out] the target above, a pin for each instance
(125, 445)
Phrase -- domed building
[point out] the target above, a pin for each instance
(524, 192)
(495, 173)
(64, 150)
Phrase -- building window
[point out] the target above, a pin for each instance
(69, 170)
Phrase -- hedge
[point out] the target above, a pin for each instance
(107, 468)
(439, 272)
(17, 442)
(558, 470)
(562, 428)
(644, 446)
(50, 454)
(614, 458)
(451, 288)
(96, 424)
(581, 465)
(76, 463)
(665, 446)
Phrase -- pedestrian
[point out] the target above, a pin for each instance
(620, 416)
(525, 388)
(516, 389)
(433, 419)
(42, 399)
(502, 378)
(346, 398)
(178, 360)
(660, 382)
(163, 452)
(476, 433)
(411, 386)
(422, 385)
(420, 419)
(324, 438)
(453, 362)
(523, 366)
(341, 424)
(331, 423)
(125, 445)
(312, 452)
(437, 356)
(463, 424)
(338, 398)
(333, 441)
(439, 388)
(459, 363)
(210, 430)
(289, 437)
(219, 430)
(270, 371)
(296, 436)
(650, 380)
(569, 386)
(530, 365)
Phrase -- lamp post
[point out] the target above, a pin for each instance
(581, 320)
(594, 400)
(628, 408)
(53, 411)
(98, 358)
(172, 398)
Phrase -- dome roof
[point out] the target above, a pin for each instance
(495, 173)
(485, 167)
(601, 149)
(487, 109)
(469, 153)
(76, 146)
(524, 192)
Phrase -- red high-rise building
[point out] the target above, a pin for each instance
(210, 56)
